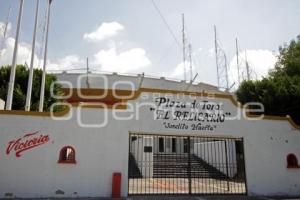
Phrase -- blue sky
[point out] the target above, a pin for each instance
(132, 37)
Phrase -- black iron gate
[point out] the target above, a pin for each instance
(164, 164)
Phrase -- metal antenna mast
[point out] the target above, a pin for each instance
(191, 62)
(237, 60)
(226, 72)
(183, 46)
(87, 73)
(216, 53)
(247, 66)
(221, 64)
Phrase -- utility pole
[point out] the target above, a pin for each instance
(14, 62)
(42, 96)
(29, 85)
(237, 60)
(183, 46)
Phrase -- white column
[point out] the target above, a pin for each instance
(29, 86)
(14, 62)
(41, 105)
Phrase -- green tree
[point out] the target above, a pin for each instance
(20, 89)
(279, 92)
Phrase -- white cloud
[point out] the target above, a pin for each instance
(260, 62)
(132, 60)
(211, 52)
(128, 61)
(178, 71)
(104, 31)
(2, 28)
(110, 60)
(68, 62)
(24, 53)
(197, 51)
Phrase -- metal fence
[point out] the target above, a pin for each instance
(164, 164)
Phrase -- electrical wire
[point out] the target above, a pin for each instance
(166, 23)
(169, 29)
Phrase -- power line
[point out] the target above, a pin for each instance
(166, 23)
(174, 37)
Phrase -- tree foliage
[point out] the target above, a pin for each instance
(279, 92)
(20, 89)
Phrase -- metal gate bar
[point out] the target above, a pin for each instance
(169, 165)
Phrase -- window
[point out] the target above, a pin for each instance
(292, 161)
(133, 138)
(67, 155)
(173, 145)
(185, 145)
(168, 144)
(147, 149)
(161, 144)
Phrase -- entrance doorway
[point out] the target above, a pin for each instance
(192, 165)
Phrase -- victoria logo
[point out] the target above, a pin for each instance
(28, 141)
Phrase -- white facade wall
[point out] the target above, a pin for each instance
(101, 151)
(223, 152)
(131, 82)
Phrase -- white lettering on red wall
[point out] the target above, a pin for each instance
(28, 141)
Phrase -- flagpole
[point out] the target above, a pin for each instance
(14, 61)
(41, 105)
(29, 86)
